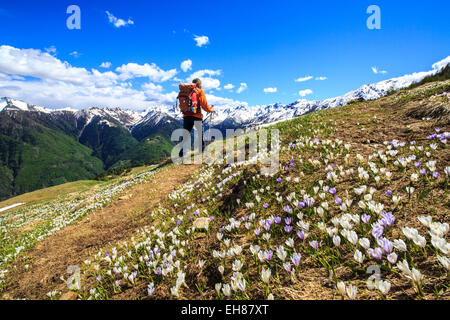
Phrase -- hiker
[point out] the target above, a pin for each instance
(191, 105)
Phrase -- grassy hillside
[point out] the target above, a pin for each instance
(40, 158)
(152, 149)
(359, 209)
(48, 194)
(362, 187)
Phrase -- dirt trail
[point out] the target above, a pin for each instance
(50, 258)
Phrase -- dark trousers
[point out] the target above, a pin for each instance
(188, 124)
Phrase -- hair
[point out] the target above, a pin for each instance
(197, 81)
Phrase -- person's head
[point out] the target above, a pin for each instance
(198, 82)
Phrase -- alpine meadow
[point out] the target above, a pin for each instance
(323, 165)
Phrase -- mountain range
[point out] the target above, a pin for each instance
(42, 147)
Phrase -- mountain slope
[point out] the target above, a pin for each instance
(33, 156)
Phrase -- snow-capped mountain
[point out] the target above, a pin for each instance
(226, 116)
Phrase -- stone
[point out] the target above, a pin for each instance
(70, 295)
(201, 223)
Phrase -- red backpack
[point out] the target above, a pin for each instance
(188, 97)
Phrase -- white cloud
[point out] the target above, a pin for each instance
(228, 86)
(304, 79)
(220, 101)
(106, 65)
(57, 84)
(242, 87)
(152, 71)
(270, 90)
(304, 93)
(208, 82)
(51, 50)
(151, 87)
(38, 64)
(75, 54)
(321, 78)
(376, 71)
(186, 65)
(201, 40)
(118, 22)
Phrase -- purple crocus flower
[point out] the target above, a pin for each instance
(333, 191)
(314, 244)
(376, 253)
(286, 168)
(386, 245)
(178, 222)
(245, 218)
(279, 180)
(309, 202)
(211, 218)
(338, 201)
(268, 254)
(392, 258)
(190, 217)
(277, 220)
(222, 229)
(301, 204)
(423, 171)
(377, 231)
(301, 234)
(288, 229)
(99, 278)
(257, 231)
(435, 174)
(389, 193)
(288, 220)
(267, 226)
(388, 218)
(287, 267)
(417, 164)
(296, 257)
(265, 205)
(158, 271)
(195, 213)
(287, 209)
(365, 218)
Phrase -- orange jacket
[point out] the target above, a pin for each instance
(203, 104)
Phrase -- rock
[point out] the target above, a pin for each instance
(70, 295)
(201, 223)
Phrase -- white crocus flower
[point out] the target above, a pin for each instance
(341, 288)
(237, 265)
(444, 261)
(218, 286)
(383, 286)
(400, 245)
(404, 267)
(290, 242)
(226, 290)
(359, 256)
(265, 275)
(352, 291)
(365, 243)
(425, 220)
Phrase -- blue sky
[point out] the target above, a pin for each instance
(264, 44)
